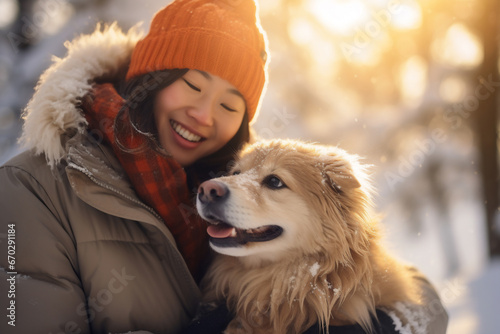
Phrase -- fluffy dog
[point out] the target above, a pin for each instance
(299, 244)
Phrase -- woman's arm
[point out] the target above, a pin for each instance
(44, 295)
(432, 306)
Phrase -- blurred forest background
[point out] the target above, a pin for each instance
(410, 85)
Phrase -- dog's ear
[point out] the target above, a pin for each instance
(337, 171)
(340, 180)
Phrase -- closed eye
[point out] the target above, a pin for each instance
(273, 182)
(228, 108)
(193, 87)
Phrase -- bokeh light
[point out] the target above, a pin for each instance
(9, 10)
(458, 47)
(50, 19)
(453, 88)
(340, 17)
(408, 15)
(413, 79)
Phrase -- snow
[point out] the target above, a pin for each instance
(247, 179)
(314, 269)
(473, 305)
(416, 317)
(247, 182)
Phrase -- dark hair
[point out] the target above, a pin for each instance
(140, 93)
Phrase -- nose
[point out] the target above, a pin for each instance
(203, 113)
(212, 191)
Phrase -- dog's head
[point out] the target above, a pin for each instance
(287, 197)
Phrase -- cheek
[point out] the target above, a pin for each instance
(229, 126)
(167, 98)
(164, 103)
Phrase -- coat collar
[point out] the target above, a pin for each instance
(53, 111)
(94, 173)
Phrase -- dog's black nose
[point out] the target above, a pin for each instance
(212, 191)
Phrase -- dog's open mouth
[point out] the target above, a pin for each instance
(225, 235)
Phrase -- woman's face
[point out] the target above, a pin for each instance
(197, 115)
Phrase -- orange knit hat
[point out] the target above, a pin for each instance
(221, 37)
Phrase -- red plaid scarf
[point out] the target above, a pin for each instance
(159, 181)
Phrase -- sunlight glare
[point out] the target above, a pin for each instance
(321, 51)
(407, 16)
(325, 57)
(339, 16)
(301, 31)
(459, 47)
(9, 10)
(413, 79)
(371, 53)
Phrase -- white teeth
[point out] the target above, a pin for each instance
(233, 233)
(185, 133)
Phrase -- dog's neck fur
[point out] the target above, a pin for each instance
(292, 295)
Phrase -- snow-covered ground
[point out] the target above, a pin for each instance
(472, 302)
(471, 293)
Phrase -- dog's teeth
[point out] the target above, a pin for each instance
(256, 230)
(233, 233)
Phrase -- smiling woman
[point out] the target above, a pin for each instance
(197, 115)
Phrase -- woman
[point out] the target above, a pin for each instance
(119, 133)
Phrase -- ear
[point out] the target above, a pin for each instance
(340, 180)
(338, 171)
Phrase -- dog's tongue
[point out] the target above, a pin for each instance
(220, 231)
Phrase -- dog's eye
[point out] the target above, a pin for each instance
(273, 182)
(236, 172)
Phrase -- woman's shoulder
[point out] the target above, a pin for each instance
(27, 165)
(27, 178)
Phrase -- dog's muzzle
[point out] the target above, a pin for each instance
(212, 192)
(212, 195)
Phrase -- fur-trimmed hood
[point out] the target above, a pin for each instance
(53, 111)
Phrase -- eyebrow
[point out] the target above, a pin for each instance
(209, 77)
(205, 74)
(237, 93)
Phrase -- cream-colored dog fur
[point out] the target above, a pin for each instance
(327, 266)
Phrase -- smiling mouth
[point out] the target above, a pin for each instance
(185, 133)
(225, 235)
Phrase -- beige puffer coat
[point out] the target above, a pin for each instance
(90, 257)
